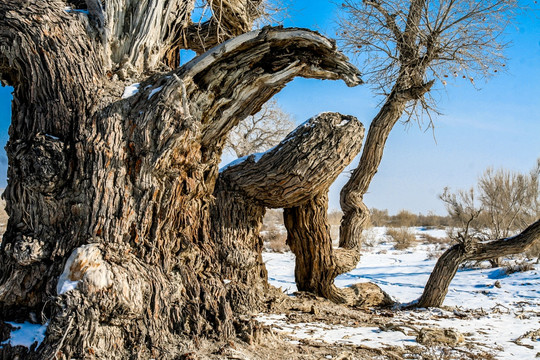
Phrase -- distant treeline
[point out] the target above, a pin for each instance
(403, 218)
(378, 218)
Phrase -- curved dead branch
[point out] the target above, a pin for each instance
(244, 73)
(437, 286)
(265, 60)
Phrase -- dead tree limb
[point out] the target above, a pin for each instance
(446, 267)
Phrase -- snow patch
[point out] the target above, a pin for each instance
(255, 157)
(494, 316)
(343, 122)
(154, 91)
(131, 90)
(26, 334)
(337, 334)
(66, 285)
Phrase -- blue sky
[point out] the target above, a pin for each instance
(498, 125)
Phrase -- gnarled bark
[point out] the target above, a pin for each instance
(114, 194)
(296, 175)
(446, 267)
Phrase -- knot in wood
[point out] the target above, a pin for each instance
(42, 161)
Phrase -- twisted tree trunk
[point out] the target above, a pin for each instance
(111, 234)
(409, 86)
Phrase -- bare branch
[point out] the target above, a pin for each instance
(261, 131)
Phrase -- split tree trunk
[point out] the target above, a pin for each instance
(112, 195)
(446, 267)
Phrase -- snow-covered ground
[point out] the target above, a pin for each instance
(491, 308)
(493, 311)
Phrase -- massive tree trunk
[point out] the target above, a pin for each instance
(115, 233)
(446, 267)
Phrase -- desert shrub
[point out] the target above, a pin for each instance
(436, 252)
(518, 267)
(369, 238)
(428, 239)
(334, 217)
(404, 219)
(403, 237)
(534, 251)
(432, 220)
(379, 217)
(272, 218)
(275, 240)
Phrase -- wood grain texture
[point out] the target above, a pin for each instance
(294, 175)
(134, 177)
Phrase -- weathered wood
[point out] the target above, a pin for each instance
(308, 236)
(115, 193)
(303, 165)
(446, 267)
(294, 175)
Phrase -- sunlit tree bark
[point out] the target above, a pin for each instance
(111, 235)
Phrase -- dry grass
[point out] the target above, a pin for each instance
(334, 217)
(437, 251)
(369, 238)
(519, 267)
(403, 237)
(534, 251)
(428, 239)
(272, 217)
(275, 240)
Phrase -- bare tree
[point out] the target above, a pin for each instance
(509, 201)
(260, 132)
(506, 202)
(405, 47)
(121, 228)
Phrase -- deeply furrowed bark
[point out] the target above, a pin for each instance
(295, 175)
(115, 193)
(297, 172)
(446, 267)
(355, 212)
